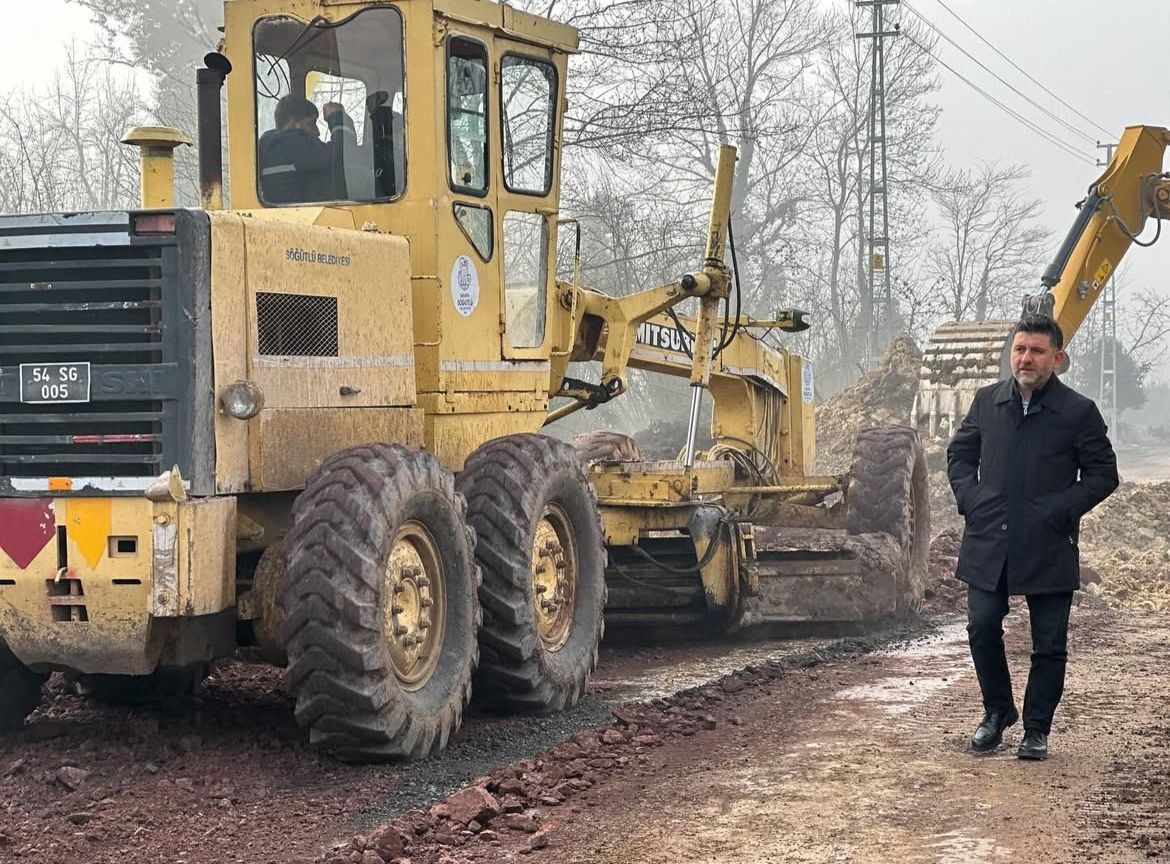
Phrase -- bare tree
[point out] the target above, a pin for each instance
(169, 45)
(59, 145)
(829, 253)
(1145, 329)
(987, 252)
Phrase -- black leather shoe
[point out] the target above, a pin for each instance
(1034, 746)
(989, 734)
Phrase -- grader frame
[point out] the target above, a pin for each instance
(313, 423)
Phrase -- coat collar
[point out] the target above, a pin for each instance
(1052, 397)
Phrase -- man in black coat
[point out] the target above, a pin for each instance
(1029, 460)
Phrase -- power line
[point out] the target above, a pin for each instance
(1091, 139)
(1043, 133)
(1017, 67)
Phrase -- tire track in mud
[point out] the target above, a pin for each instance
(230, 778)
(1127, 817)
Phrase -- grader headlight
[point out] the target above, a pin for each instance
(241, 399)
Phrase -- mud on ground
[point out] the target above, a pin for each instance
(229, 778)
(883, 396)
(849, 758)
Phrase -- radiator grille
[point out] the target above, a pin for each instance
(100, 304)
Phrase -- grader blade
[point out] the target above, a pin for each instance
(960, 358)
(801, 581)
(821, 581)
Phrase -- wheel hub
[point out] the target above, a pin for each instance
(554, 577)
(414, 605)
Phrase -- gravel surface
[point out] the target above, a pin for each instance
(229, 778)
(864, 759)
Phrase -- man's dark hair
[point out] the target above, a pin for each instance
(1042, 324)
(292, 108)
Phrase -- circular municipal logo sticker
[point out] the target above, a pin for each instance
(464, 286)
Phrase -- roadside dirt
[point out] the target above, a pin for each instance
(885, 395)
(864, 760)
(228, 778)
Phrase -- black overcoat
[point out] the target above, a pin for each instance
(1024, 482)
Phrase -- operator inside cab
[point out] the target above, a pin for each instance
(296, 165)
(329, 109)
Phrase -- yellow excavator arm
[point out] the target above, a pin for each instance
(1133, 189)
(963, 356)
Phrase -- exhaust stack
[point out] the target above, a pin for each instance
(208, 84)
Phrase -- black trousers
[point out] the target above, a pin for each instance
(1049, 613)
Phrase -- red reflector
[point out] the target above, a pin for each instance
(154, 223)
(127, 438)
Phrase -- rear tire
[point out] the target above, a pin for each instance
(888, 494)
(178, 682)
(268, 582)
(20, 690)
(541, 550)
(380, 605)
(602, 444)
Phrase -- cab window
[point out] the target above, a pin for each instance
(528, 98)
(467, 139)
(330, 108)
(525, 269)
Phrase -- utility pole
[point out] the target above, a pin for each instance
(881, 301)
(1107, 388)
(1107, 391)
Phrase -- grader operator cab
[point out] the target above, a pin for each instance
(310, 422)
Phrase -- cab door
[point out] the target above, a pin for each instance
(529, 89)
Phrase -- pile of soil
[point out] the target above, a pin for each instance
(1127, 541)
(885, 395)
(944, 512)
(945, 593)
(1125, 550)
(665, 439)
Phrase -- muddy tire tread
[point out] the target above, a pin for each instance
(346, 689)
(20, 690)
(502, 481)
(600, 444)
(888, 494)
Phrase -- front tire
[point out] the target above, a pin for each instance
(888, 494)
(380, 605)
(541, 550)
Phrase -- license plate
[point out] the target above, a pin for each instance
(42, 383)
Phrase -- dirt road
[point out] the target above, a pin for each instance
(865, 761)
(815, 752)
(229, 778)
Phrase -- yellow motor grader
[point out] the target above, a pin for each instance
(311, 422)
(963, 356)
